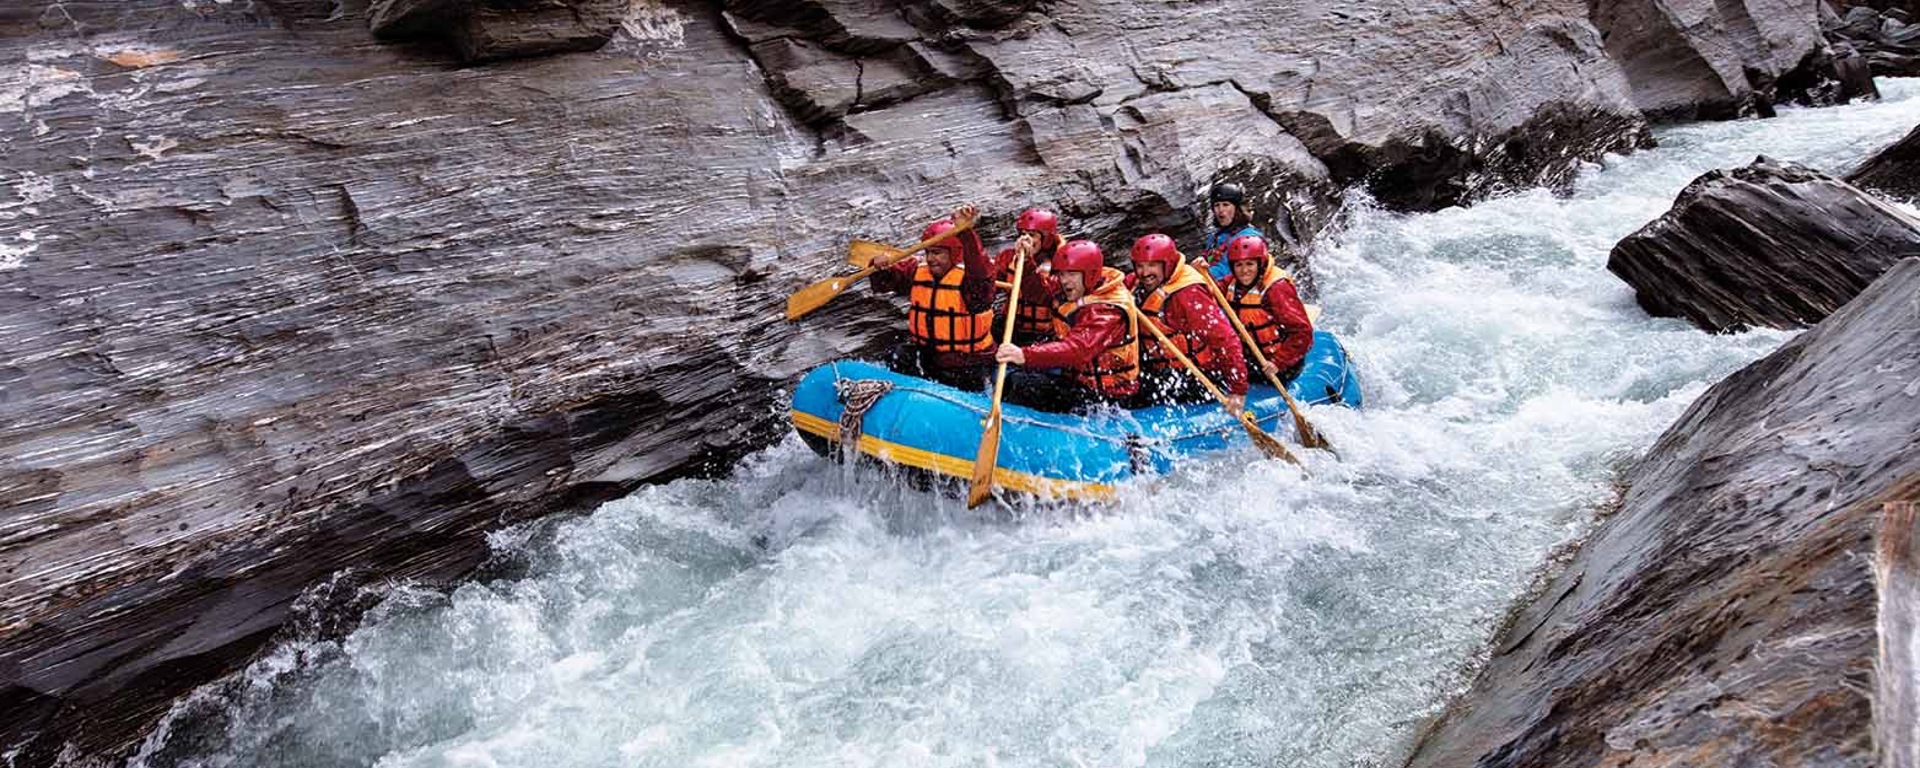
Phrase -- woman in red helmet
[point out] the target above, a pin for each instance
(949, 306)
(1096, 351)
(1040, 238)
(1174, 295)
(1263, 295)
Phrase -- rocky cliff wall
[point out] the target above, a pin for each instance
(279, 298)
(1726, 615)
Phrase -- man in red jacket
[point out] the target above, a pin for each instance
(1095, 356)
(1263, 295)
(1173, 295)
(1039, 232)
(950, 306)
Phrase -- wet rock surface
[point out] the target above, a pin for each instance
(1894, 170)
(1896, 670)
(1773, 244)
(1885, 37)
(1726, 615)
(280, 297)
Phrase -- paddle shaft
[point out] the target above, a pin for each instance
(989, 454)
(1253, 346)
(928, 243)
(1267, 443)
(818, 294)
(1308, 435)
(1182, 357)
(1013, 300)
(895, 258)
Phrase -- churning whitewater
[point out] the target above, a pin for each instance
(799, 613)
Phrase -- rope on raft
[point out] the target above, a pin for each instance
(857, 396)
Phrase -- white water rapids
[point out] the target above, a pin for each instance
(796, 614)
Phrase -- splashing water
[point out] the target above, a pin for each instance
(1237, 613)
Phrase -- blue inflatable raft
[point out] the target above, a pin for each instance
(931, 427)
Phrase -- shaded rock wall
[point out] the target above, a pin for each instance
(278, 298)
(489, 30)
(1773, 244)
(1710, 59)
(1726, 614)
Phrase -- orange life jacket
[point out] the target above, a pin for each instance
(937, 316)
(1115, 372)
(1187, 340)
(1250, 304)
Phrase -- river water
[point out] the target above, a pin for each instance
(1238, 613)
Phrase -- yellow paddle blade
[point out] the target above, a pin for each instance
(982, 485)
(1303, 430)
(1313, 313)
(864, 253)
(817, 295)
(1268, 444)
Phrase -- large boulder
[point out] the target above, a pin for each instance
(1894, 170)
(1772, 244)
(1726, 614)
(1713, 59)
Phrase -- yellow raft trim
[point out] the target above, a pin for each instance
(920, 458)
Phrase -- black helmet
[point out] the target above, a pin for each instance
(1227, 192)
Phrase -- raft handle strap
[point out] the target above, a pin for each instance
(857, 396)
(1139, 456)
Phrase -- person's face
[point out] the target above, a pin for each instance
(1246, 271)
(1151, 275)
(940, 259)
(1223, 213)
(1073, 285)
(1041, 243)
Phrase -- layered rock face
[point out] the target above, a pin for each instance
(1894, 170)
(280, 298)
(1727, 614)
(1772, 244)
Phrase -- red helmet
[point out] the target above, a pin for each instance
(1081, 256)
(1156, 248)
(935, 230)
(1248, 247)
(1039, 220)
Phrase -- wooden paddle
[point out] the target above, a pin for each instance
(1309, 436)
(989, 455)
(1268, 444)
(815, 296)
(862, 253)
